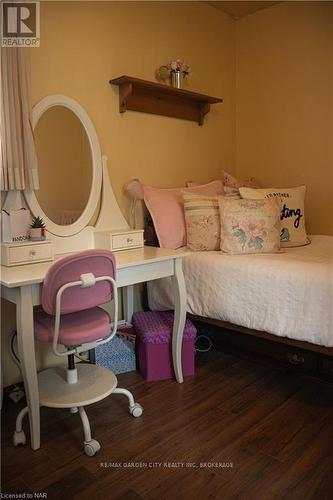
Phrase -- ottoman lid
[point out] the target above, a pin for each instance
(155, 327)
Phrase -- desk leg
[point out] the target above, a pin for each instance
(128, 301)
(179, 294)
(26, 347)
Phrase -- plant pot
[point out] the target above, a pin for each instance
(177, 79)
(37, 233)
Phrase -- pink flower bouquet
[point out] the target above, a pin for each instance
(179, 65)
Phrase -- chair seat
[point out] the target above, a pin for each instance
(94, 384)
(75, 328)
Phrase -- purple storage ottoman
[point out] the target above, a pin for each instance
(154, 350)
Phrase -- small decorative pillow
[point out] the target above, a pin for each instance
(227, 191)
(191, 184)
(230, 192)
(202, 219)
(231, 184)
(167, 211)
(293, 232)
(230, 181)
(250, 226)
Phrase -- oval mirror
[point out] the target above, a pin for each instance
(69, 166)
(64, 165)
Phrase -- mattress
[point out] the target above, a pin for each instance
(288, 294)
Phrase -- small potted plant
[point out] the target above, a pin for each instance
(37, 229)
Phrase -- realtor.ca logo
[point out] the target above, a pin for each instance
(20, 24)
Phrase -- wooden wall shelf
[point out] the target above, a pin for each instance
(150, 97)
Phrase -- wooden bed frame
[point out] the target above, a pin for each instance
(311, 359)
(327, 351)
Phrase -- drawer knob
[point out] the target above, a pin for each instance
(32, 253)
(129, 240)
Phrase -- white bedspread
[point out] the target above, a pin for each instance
(288, 294)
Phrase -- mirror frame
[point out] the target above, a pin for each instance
(96, 158)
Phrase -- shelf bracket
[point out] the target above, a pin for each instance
(125, 90)
(204, 108)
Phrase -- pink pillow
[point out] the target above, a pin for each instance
(233, 182)
(167, 211)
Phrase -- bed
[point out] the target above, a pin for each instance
(288, 295)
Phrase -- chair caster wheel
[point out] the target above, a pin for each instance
(136, 410)
(19, 438)
(91, 447)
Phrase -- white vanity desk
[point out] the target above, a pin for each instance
(22, 284)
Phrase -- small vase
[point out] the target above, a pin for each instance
(177, 79)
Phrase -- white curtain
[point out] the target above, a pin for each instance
(19, 168)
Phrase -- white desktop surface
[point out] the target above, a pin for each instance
(29, 274)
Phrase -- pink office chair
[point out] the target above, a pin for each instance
(73, 289)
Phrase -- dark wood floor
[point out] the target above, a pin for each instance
(274, 426)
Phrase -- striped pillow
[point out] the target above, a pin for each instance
(202, 219)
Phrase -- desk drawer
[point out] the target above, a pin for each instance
(126, 240)
(119, 240)
(27, 254)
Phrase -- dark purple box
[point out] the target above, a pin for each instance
(154, 351)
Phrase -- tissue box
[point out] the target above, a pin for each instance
(118, 355)
(15, 225)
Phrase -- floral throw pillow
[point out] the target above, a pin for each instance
(250, 226)
(293, 232)
(202, 220)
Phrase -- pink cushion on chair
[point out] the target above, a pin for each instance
(75, 328)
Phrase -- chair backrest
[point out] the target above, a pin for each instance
(70, 268)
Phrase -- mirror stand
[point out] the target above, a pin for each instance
(110, 216)
(79, 235)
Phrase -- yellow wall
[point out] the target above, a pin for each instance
(85, 44)
(284, 102)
